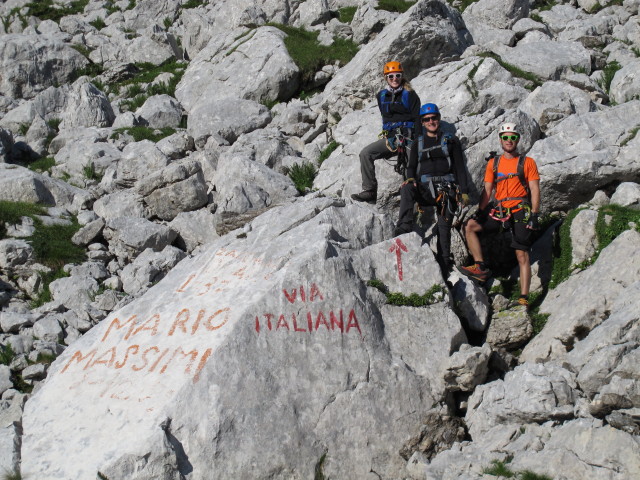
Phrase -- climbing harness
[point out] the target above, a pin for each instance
(398, 142)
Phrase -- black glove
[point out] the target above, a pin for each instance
(533, 223)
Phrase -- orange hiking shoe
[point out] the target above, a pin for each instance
(476, 272)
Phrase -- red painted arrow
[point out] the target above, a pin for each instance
(399, 247)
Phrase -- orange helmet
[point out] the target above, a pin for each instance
(392, 67)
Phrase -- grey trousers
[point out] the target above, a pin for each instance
(368, 155)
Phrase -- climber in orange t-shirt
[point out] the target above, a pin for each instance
(516, 182)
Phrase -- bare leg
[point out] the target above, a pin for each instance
(525, 271)
(471, 229)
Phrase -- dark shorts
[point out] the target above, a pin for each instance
(522, 236)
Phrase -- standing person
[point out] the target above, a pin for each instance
(399, 105)
(517, 192)
(436, 177)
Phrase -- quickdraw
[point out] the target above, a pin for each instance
(504, 214)
(397, 142)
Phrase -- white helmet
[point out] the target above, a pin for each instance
(508, 128)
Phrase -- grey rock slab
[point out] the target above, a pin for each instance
(19, 184)
(31, 63)
(167, 202)
(627, 194)
(510, 328)
(532, 393)
(254, 186)
(267, 146)
(604, 351)
(135, 235)
(423, 338)
(15, 253)
(227, 118)
(91, 269)
(194, 228)
(253, 65)
(73, 292)
(583, 301)
(471, 300)
(467, 368)
(625, 85)
(484, 34)
(554, 101)
(88, 233)
(149, 268)
(293, 260)
(5, 379)
(34, 372)
(497, 13)
(177, 145)
(139, 159)
(160, 111)
(580, 152)
(438, 35)
(549, 60)
(584, 240)
(313, 12)
(13, 322)
(119, 204)
(368, 22)
(87, 107)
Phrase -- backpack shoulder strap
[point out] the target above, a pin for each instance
(523, 181)
(444, 145)
(405, 99)
(496, 162)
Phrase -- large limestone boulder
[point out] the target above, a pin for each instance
(160, 111)
(31, 63)
(19, 184)
(625, 85)
(579, 152)
(555, 101)
(592, 292)
(75, 156)
(241, 361)
(549, 60)
(429, 33)
(254, 185)
(226, 119)
(498, 13)
(256, 66)
(87, 107)
(532, 393)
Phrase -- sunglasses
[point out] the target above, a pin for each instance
(510, 137)
(391, 76)
(430, 119)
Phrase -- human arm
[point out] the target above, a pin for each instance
(534, 189)
(412, 165)
(458, 166)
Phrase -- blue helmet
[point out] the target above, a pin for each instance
(429, 108)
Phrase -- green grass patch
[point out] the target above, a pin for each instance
(619, 217)
(515, 71)
(431, 296)
(47, 10)
(52, 244)
(12, 212)
(631, 136)
(131, 5)
(543, 5)
(302, 175)
(562, 251)
(327, 151)
(192, 4)
(462, 6)
(499, 469)
(375, 283)
(536, 18)
(636, 51)
(346, 14)
(98, 23)
(309, 55)
(608, 72)
(11, 475)
(82, 49)
(6, 354)
(167, 22)
(245, 37)
(90, 173)
(42, 165)
(398, 6)
(144, 133)
(597, 7)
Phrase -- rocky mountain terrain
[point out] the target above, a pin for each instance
(187, 290)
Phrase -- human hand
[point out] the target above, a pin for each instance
(465, 199)
(534, 222)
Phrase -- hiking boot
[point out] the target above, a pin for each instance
(476, 272)
(365, 196)
(401, 230)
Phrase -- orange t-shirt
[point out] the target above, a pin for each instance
(511, 187)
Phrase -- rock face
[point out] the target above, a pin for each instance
(303, 304)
